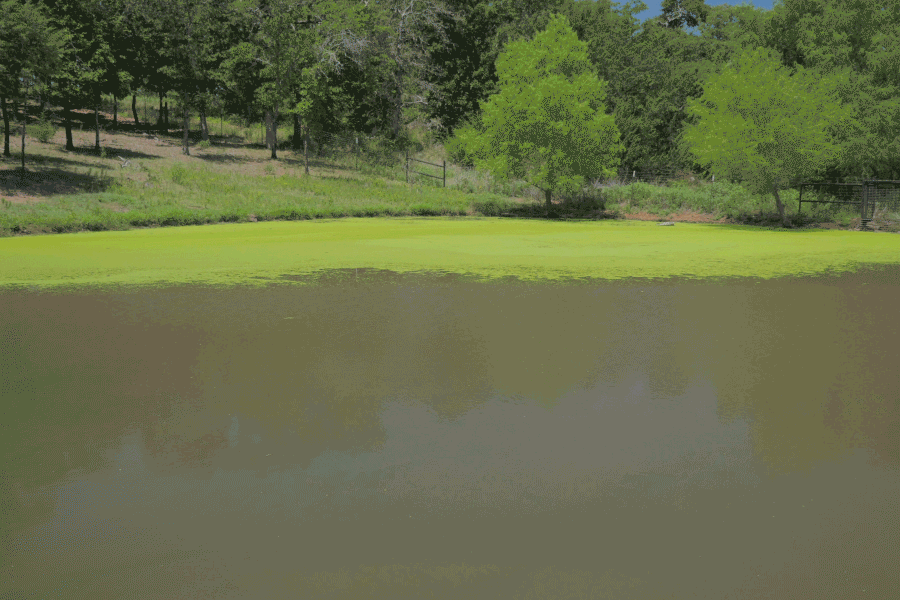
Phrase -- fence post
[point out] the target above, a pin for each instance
(864, 205)
(407, 166)
(445, 172)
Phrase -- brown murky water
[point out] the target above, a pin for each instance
(422, 436)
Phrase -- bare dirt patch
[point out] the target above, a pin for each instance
(679, 217)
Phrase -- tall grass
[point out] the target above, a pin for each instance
(188, 195)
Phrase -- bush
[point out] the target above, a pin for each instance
(489, 208)
(44, 130)
(456, 150)
(179, 174)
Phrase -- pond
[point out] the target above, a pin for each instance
(370, 432)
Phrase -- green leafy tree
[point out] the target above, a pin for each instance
(239, 76)
(24, 25)
(298, 45)
(547, 124)
(475, 32)
(758, 123)
(400, 33)
(857, 42)
(680, 13)
(150, 52)
(94, 61)
(192, 55)
(652, 80)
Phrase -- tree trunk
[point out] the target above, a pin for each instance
(97, 125)
(24, 120)
(137, 122)
(67, 117)
(549, 203)
(159, 116)
(295, 140)
(398, 106)
(184, 139)
(305, 143)
(166, 120)
(6, 151)
(271, 139)
(204, 128)
(115, 112)
(784, 220)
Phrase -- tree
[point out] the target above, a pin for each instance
(465, 47)
(758, 123)
(192, 55)
(651, 81)
(547, 124)
(25, 25)
(400, 32)
(92, 61)
(298, 46)
(678, 13)
(855, 42)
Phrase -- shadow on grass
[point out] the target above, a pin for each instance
(110, 153)
(48, 182)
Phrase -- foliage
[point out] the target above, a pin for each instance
(44, 130)
(679, 13)
(759, 124)
(547, 124)
(857, 42)
(465, 49)
(383, 66)
(24, 25)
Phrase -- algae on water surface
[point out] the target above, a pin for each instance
(485, 248)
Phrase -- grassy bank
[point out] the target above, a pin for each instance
(142, 179)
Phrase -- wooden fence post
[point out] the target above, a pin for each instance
(445, 172)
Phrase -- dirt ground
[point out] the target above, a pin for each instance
(131, 153)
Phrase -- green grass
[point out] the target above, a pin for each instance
(186, 191)
(190, 195)
(187, 194)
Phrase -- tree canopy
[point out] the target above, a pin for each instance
(380, 66)
(547, 124)
(758, 123)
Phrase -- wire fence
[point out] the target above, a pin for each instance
(870, 195)
(354, 148)
(653, 175)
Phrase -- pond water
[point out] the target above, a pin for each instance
(420, 435)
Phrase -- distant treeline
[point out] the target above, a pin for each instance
(375, 67)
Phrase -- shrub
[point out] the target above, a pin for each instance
(179, 174)
(44, 130)
(489, 208)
